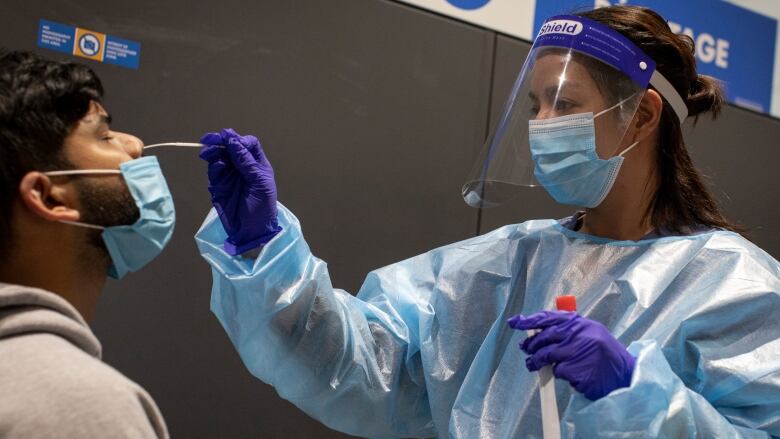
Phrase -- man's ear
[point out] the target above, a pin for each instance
(49, 201)
(648, 115)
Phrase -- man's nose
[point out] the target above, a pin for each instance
(132, 145)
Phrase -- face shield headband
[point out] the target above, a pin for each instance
(611, 47)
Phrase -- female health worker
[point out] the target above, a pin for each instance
(676, 333)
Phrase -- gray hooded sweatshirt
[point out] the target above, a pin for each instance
(52, 382)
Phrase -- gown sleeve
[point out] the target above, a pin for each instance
(352, 363)
(718, 375)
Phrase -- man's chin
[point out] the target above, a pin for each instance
(106, 205)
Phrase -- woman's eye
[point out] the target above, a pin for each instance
(563, 106)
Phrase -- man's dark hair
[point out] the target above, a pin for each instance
(40, 103)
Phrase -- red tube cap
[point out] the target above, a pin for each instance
(566, 303)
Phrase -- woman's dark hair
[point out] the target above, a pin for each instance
(40, 103)
(682, 200)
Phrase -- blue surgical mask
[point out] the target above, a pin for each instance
(565, 159)
(133, 246)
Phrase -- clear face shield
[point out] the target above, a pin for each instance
(573, 102)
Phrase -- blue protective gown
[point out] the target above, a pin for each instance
(424, 348)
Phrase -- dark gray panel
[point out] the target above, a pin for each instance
(370, 112)
(738, 152)
(739, 155)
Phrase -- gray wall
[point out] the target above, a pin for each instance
(371, 112)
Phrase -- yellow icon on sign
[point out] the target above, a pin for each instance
(89, 44)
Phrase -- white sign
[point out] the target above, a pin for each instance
(512, 17)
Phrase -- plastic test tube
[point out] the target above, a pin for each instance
(551, 423)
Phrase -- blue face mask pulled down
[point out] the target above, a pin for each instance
(133, 246)
(565, 159)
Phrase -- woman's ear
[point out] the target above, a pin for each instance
(49, 201)
(648, 115)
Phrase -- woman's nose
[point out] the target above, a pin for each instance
(545, 114)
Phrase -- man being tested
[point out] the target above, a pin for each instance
(78, 204)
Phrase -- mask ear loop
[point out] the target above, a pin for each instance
(82, 171)
(633, 145)
(80, 224)
(79, 172)
(615, 106)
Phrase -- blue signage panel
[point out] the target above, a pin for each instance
(733, 44)
(56, 36)
(121, 52)
(88, 44)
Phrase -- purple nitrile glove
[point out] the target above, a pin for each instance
(582, 351)
(243, 191)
